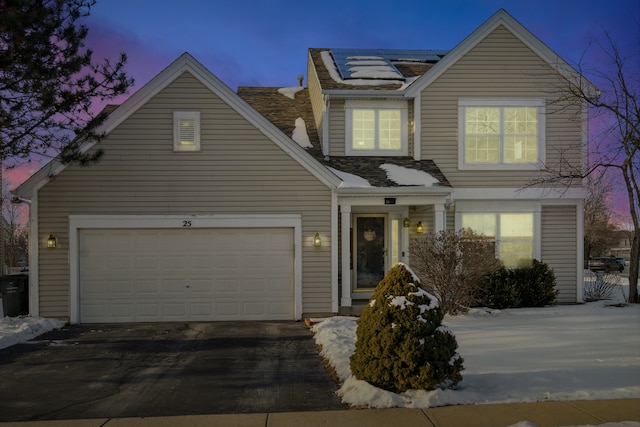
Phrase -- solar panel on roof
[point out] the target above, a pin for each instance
(379, 63)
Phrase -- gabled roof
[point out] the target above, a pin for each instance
(501, 17)
(283, 111)
(186, 63)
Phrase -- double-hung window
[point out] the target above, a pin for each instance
(513, 234)
(501, 134)
(186, 131)
(376, 128)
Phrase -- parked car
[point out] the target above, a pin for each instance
(622, 262)
(606, 264)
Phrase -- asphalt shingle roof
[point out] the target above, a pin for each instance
(283, 111)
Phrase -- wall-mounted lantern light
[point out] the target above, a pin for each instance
(420, 228)
(317, 241)
(407, 223)
(52, 242)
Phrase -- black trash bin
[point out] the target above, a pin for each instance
(14, 293)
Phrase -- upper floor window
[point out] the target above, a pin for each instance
(501, 134)
(186, 131)
(376, 128)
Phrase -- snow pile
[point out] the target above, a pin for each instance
(300, 134)
(14, 330)
(577, 352)
(350, 180)
(372, 67)
(405, 176)
(290, 92)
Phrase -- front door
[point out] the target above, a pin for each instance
(370, 250)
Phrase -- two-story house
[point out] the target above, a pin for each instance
(278, 203)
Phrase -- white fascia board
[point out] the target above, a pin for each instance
(178, 221)
(394, 191)
(547, 194)
(501, 17)
(187, 63)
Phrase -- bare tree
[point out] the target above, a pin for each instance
(615, 147)
(450, 265)
(599, 230)
(15, 232)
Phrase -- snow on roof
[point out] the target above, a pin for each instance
(405, 176)
(350, 180)
(290, 92)
(327, 59)
(300, 134)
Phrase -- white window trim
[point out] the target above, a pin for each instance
(179, 115)
(538, 103)
(350, 105)
(500, 207)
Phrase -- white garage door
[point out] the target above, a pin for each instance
(154, 275)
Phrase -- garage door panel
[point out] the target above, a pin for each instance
(186, 274)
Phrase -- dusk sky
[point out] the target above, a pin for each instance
(264, 43)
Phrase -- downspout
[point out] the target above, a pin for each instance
(335, 298)
(34, 247)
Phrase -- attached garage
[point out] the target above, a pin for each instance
(160, 273)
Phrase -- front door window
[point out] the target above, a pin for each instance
(370, 250)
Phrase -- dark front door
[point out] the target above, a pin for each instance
(370, 251)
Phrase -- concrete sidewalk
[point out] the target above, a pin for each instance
(542, 414)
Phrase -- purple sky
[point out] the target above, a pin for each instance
(264, 43)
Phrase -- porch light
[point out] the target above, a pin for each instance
(317, 241)
(420, 228)
(407, 223)
(52, 242)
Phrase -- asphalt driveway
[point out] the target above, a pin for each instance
(95, 371)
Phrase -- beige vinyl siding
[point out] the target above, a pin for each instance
(559, 248)
(316, 97)
(500, 66)
(238, 170)
(424, 214)
(337, 127)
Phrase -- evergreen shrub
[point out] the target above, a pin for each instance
(499, 290)
(401, 342)
(530, 286)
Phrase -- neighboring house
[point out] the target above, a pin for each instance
(282, 203)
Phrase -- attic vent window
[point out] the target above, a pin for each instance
(186, 131)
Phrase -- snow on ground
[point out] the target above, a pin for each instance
(568, 352)
(14, 330)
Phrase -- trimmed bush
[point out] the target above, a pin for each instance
(499, 290)
(401, 342)
(532, 286)
(536, 285)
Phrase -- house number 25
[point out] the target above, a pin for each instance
(186, 224)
